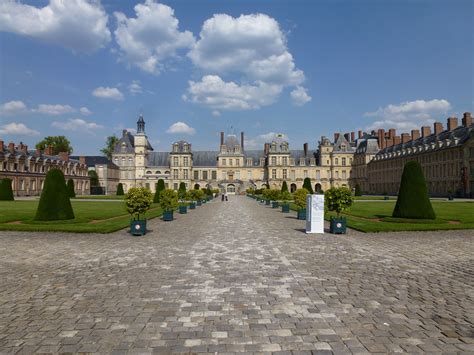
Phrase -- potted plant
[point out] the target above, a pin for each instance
(266, 196)
(183, 206)
(138, 200)
(450, 195)
(198, 194)
(190, 198)
(299, 197)
(285, 196)
(385, 195)
(338, 199)
(168, 202)
(274, 197)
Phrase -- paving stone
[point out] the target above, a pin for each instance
(236, 277)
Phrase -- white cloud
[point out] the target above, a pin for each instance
(216, 113)
(76, 24)
(181, 127)
(85, 111)
(12, 108)
(152, 37)
(258, 141)
(54, 110)
(217, 94)
(408, 115)
(299, 96)
(76, 124)
(108, 93)
(17, 129)
(135, 87)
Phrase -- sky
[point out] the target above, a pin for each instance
(306, 69)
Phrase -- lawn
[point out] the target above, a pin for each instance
(99, 197)
(91, 217)
(376, 216)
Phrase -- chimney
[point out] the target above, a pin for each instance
(82, 160)
(359, 134)
(405, 137)
(381, 138)
(438, 128)
(222, 138)
(392, 132)
(352, 137)
(305, 148)
(425, 131)
(48, 150)
(2, 146)
(396, 140)
(11, 147)
(467, 119)
(336, 137)
(452, 123)
(64, 156)
(242, 140)
(266, 148)
(389, 142)
(347, 137)
(37, 153)
(415, 134)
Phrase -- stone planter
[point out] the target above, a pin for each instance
(275, 204)
(183, 209)
(138, 227)
(192, 206)
(285, 208)
(302, 214)
(337, 225)
(199, 203)
(167, 216)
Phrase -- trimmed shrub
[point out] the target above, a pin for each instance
(307, 185)
(358, 191)
(413, 200)
(299, 196)
(182, 190)
(169, 200)
(138, 200)
(120, 191)
(6, 191)
(54, 202)
(274, 194)
(284, 186)
(70, 188)
(160, 186)
(338, 199)
(285, 196)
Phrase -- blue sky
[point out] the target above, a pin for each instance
(194, 68)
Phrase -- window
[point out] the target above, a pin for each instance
(224, 175)
(343, 161)
(175, 161)
(185, 161)
(175, 173)
(343, 147)
(274, 174)
(302, 162)
(285, 174)
(274, 160)
(318, 175)
(344, 174)
(196, 174)
(336, 161)
(237, 162)
(231, 162)
(285, 160)
(214, 175)
(305, 173)
(223, 162)
(204, 175)
(249, 161)
(175, 186)
(337, 174)
(237, 174)
(185, 174)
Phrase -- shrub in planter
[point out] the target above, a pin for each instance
(6, 191)
(338, 199)
(413, 200)
(168, 202)
(160, 186)
(357, 190)
(274, 196)
(284, 186)
(120, 191)
(54, 202)
(307, 185)
(450, 195)
(385, 195)
(285, 196)
(182, 190)
(70, 188)
(299, 197)
(196, 195)
(138, 200)
(189, 198)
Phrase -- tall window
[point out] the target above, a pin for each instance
(231, 162)
(274, 174)
(196, 174)
(337, 174)
(305, 173)
(214, 175)
(336, 161)
(175, 161)
(185, 161)
(274, 160)
(185, 174)
(318, 175)
(343, 174)
(175, 173)
(343, 161)
(223, 162)
(285, 161)
(204, 175)
(237, 162)
(224, 175)
(285, 174)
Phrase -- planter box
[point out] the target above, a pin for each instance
(275, 204)
(183, 209)
(337, 225)
(198, 203)
(138, 227)
(302, 214)
(192, 206)
(267, 202)
(285, 208)
(167, 216)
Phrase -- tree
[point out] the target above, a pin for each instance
(358, 191)
(109, 146)
(284, 186)
(70, 188)
(413, 200)
(6, 191)
(182, 190)
(94, 177)
(160, 186)
(299, 197)
(58, 143)
(120, 191)
(54, 202)
(307, 185)
(338, 199)
(138, 200)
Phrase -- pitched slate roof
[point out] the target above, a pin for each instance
(93, 160)
(158, 159)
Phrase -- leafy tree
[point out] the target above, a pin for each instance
(307, 185)
(358, 191)
(182, 190)
(70, 188)
(274, 194)
(299, 196)
(120, 191)
(168, 200)
(413, 200)
(160, 186)
(138, 200)
(109, 146)
(94, 177)
(59, 144)
(338, 199)
(6, 191)
(285, 196)
(54, 202)
(284, 186)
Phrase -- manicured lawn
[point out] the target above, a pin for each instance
(376, 216)
(369, 197)
(91, 217)
(99, 197)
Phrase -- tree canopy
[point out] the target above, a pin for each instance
(58, 143)
(109, 146)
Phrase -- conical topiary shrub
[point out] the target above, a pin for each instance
(120, 191)
(6, 191)
(182, 190)
(54, 203)
(70, 188)
(357, 190)
(307, 185)
(284, 186)
(413, 200)
(160, 186)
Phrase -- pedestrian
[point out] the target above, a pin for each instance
(226, 197)
(222, 197)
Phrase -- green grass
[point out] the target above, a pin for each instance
(381, 198)
(99, 197)
(91, 217)
(368, 216)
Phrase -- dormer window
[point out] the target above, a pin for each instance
(123, 147)
(343, 147)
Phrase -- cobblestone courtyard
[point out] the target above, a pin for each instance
(237, 277)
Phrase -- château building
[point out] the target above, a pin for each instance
(233, 168)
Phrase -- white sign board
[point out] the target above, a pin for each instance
(315, 214)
